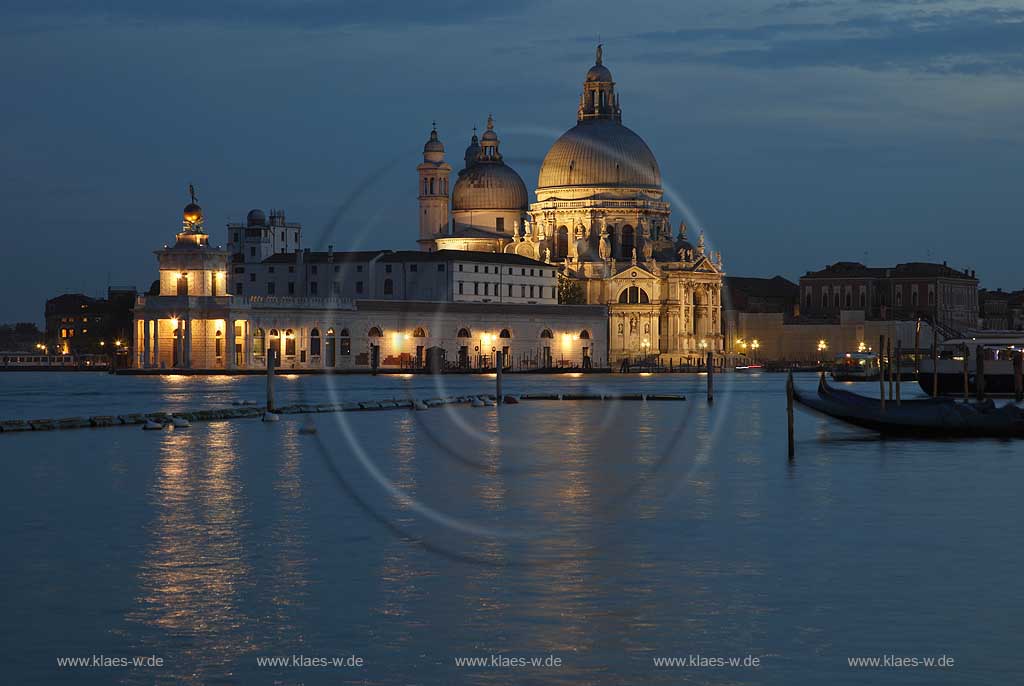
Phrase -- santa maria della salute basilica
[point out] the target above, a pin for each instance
(588, 275)
(599, 216)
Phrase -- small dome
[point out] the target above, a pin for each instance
(489, 134)
(256, 218)
(434, 143)
(599, 73)
(489, 186)
(600, 152)
(192, 213)
(472, 151)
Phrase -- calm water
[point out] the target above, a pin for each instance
(602, 534)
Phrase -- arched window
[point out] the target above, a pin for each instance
(432, 187)
(899, 297)
(824, 300)
(863, 299)
(561, 242)
(424, 186)
(219, 343)
(289, 343)
(463, 333)
(546, 333)
(275, 341)
(389, 287)
(259, 343)
(836, 300)
(314, 342)
(331, 349)
(584, 335)
(627, 242)
(345, 342)
(373, 333)
(634, 296)
(849, 299)
(504, 334)
(418, 332)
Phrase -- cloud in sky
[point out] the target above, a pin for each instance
(973, 41)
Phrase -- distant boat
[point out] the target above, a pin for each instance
(855, 367)
(997, 348)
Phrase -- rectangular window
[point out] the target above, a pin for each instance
(239, 270)
(487, 289)
(476, 288)
(499, 224)
(336, 288)
(510, 290)
(414, 267)
(387, 268)
(531, 272)
(476, 267)
(359, 286)
(252, 276)
(270, 269)
(510, 271)
(312, 269)
(291, 270)
(238, 288)
(312, 288)
(523, 270)
(337, 269)
(531, 291)
(345, 345)
(291, 288)
(270, 288)
(522, 291)
(359, 267)
(460, 288)
(440, 267)
(252, 252)
(460, 267)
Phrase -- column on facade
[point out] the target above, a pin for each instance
(229, 338)
(179, 342)
(247, 337)
(188, 343)
(145, 361)
(156, 343)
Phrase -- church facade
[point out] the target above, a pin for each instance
(599, 216)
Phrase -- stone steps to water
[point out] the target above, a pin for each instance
(250, 411)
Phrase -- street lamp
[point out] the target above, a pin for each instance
(754, 345)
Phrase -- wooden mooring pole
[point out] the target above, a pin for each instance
(271, 361)
(979, 374)
(899, 368)
(711, 378)
(1018, 375)
(499, 359)
(789, 414)
(881, 369)
(917, 350)
(888, 363)
(967, 381)
(935, 361)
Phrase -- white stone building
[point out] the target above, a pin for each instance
(222, 309)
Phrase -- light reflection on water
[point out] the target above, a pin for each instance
(195, 570)
(215, 544)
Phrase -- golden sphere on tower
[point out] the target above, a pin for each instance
(192, 213)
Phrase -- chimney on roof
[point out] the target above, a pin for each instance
(330, 253)
(943, 263)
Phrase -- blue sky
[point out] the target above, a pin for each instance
(797, 133)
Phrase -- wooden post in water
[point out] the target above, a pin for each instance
(935, 361)
(789, 413)
(979, 374)
(899, 370)
(917, 351)
(711, 378)
(881, 369)
(967, 382)
(888, 363)
(271, 361)
(499, 359)
(1018, 375)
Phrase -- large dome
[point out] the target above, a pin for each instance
(599, 152)
(489, 186)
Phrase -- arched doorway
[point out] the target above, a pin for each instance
(561, 242)
(330, 349)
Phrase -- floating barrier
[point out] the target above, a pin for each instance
(249, 410)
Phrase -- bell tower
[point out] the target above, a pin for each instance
(433, 192)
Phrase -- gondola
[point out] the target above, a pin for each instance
(929, 417)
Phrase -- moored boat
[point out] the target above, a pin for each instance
(957, 354)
